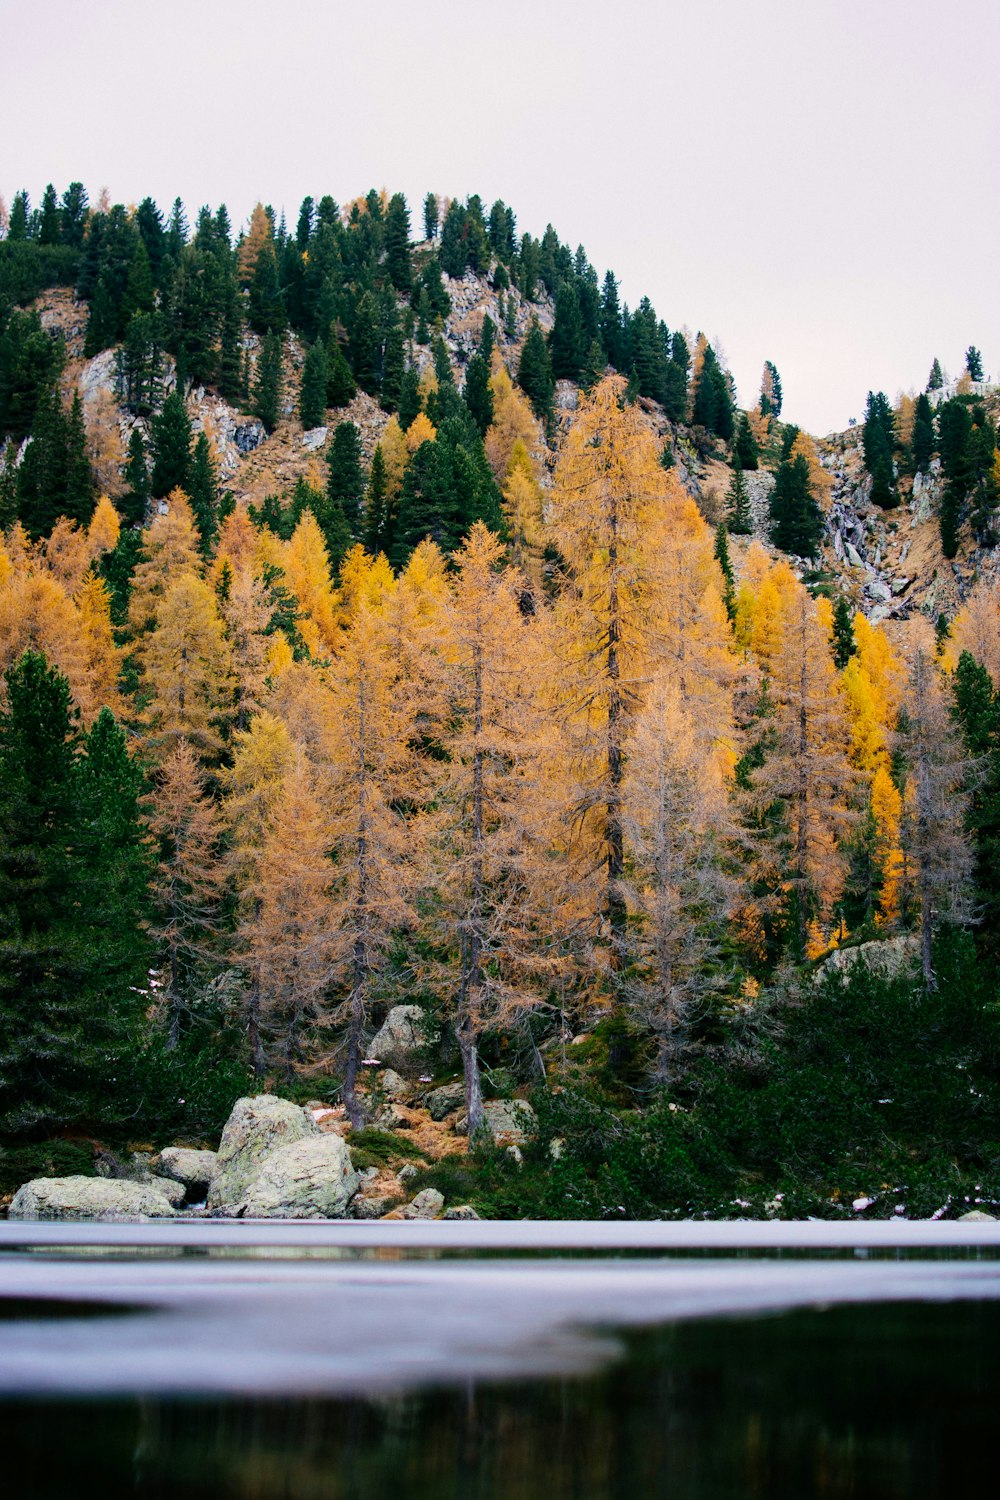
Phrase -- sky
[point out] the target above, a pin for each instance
(813, 182)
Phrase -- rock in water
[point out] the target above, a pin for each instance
(306, 1179)
(110, 1200)
(404, 1035)
(192, 1169)
(255, 1128)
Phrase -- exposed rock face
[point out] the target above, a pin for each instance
(404, 1034)
(255, 1128)
(249, 435)
(442, 1101)
(509, 1121)
(192, 1169)
(393, 1086)
(888, 957)
(371, 1208)
(426, 1205)
(110, 1200)
(306, 1179)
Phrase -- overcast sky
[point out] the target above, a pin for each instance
(809, 181)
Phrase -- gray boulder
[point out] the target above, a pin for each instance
(371, 1208)
(404, 1034)
(306, 1179)
(888, 957)
(509, 1121)
(976, 1216)
(460, 1211)
(393, 1086)
(442, 1101)
(111, 1199)
(426, 1205)
(256, 1127)
(193, 1170)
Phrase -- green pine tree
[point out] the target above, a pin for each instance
(477, 393)
(726, 567)
(923, 434)
(312, 392)
(203, 492)
(738, 502)
(345, 487)
(375, 503)
(268, 382)
(745, 446)
(137, 492)
(171, 440)
(796, 519)
(844, 644)
(534, 372)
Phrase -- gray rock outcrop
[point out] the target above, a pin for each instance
(460, 1211)
(107, 1199)
(306, 1179)
(192, 1169)
(426, 1205)
(404, 1034)
(256, 1127)
(442, 1101)
(509, 1121)
(886, 956)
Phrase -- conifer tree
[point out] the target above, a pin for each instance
(796, 519)
(171, 442)
(203, 492)
(608, 496)
(410, 401)
(745, 446)
(478, 396)
(923, 434)
(974, 363)
(340, 384)
(345, 486)
(268, 383)
(375, 503)
(738, 503)
(722, 557)
(312, 392)
(937, 855)
(431, 218)
(393, 368)
(187, 884)
(186, 672)
(935, 379)
(397, 244)
(844, 644)
(534, 373)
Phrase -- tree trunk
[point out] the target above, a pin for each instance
(473, 1082)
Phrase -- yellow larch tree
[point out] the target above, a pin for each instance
(370, 774)
(186, 677)
(188, 882)
(976, 629)
(396, 456)
(263, 757)
(487, 834)
(170, 546)
(420, 430)
(513, 423)
(307, 572)
(104, 657)
(677, 824)
(289, 944)
(805, 782)
(247, 610)
(608, 507)
(259, 234)
(820, 481)
(523, 512)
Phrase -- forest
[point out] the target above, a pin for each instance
(491, 709)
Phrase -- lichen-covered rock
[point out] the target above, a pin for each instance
(509, 1121)
(256, 1127)
(371, 1208)
(192, 1169)
(391, 1118)
(174, 1192)
(886, 956)
(306, 1179)
(404, 1034)
(109, 1199)
(460, 1211)
(393, 1086)
(426, 1205)
(442, 1101)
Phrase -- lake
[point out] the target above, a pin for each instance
(498, 1362)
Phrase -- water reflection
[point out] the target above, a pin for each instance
(887, 1401)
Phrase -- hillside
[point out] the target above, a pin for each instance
(399, 634)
